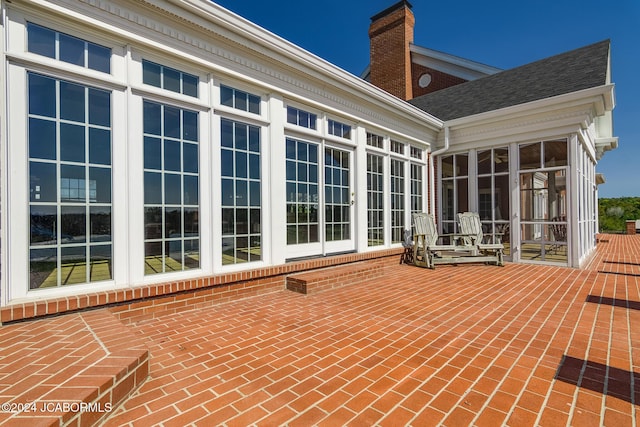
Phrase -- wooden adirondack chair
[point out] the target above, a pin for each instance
(425, 241)
(471, 228)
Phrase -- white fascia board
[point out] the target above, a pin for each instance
(601, 98)
(294, 56)
(450, 64)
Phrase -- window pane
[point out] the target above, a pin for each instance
(101, 263)
(173, 222)
(152, 188)
(555, 153)
(171, 79)
(43, 225)
(226, 96)
(73, 265)
(172, 155)
(99, 107)
(99, 146)
(43, 180)
(484, 162)
(171, 122)
(501, 160)
(100, 223)
(254, 104)
(530, 156)
(190, 85)
(152, 118)
(71, 49)
(42, 41)
(42, 268)
(100, 185)
(72, 144)
(152, 153)
(73, 225)
(190, 190)
(172, 189)
(42, 96)
(42, 139)
(72, 183)
(151, 74)
(190, 125)
(447, 167)
(72, 102)
(190, 158)
(153, 223)
(99, 58)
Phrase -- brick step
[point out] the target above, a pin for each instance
(69, 370)
(319, 280)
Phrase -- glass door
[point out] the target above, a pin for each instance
(338, 201)
(318, 222)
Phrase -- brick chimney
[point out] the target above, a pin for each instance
(390, 34)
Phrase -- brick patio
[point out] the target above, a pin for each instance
(520, 345)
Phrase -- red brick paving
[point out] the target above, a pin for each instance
(470, 345)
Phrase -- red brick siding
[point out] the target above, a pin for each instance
(390, 37)
(439, 80)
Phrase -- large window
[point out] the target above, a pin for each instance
(302, 192)
(69, 139)
(241, 193)
(69, 49)
(171, 206)
(375, 200)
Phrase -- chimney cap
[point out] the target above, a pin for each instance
(390, 9)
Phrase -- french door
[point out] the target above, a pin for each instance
(319, 186)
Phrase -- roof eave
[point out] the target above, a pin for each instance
(302, 59)
(602, 97)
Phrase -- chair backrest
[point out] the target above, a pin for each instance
(424, 224)
(469, 223)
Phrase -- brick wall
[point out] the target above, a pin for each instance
(439, 80)
(390, 35)
(146, 302)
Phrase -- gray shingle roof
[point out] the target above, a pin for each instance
(567, 72)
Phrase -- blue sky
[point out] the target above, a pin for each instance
(501, 33)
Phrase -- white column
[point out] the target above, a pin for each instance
(277, 228)
(360, 189)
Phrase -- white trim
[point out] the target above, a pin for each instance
(450, 64)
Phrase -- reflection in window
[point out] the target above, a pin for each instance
(169, 78)
(239, 99)
(171, 189)
(302, 118)
(66, 48)
(302, 192)
(69, 183)
(339, 129)
(374, 140)
(241, 193)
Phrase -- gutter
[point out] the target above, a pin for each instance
(432, 174)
